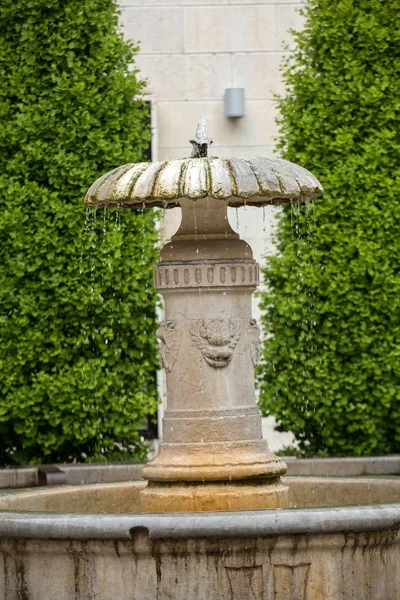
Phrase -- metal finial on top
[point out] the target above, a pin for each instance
(201, 142)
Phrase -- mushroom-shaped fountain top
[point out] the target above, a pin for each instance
(252, 180)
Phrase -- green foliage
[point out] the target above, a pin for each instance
(77, 322)
(331, 370)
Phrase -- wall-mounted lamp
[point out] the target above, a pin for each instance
(234, 102)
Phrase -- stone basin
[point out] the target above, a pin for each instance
(339, 541)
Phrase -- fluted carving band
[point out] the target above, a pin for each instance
(207, 275)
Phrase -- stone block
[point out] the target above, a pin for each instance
(258, 74)
(18, 478)
(255, 129)
(171, 152)
(241, 2)
(157, 30)
(228, 151)
(287, 17)
(229, 28)
(140, 3)
(150, 3)
(186, 76)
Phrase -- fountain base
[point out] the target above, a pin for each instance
(254, 494)
(214, 461)
(341, 552)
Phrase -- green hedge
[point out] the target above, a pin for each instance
(331, 370)
(77, 323)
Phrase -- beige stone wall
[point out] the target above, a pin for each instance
(190, 52)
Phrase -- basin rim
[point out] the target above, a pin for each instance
(240, 524)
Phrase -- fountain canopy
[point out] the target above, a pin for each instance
(254, 181)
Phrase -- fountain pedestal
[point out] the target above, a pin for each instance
(213, 456)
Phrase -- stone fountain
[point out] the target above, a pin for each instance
(213, 456)
(191, 530)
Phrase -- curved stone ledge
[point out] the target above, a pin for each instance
(247, 524)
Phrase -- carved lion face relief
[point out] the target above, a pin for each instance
(216, 339)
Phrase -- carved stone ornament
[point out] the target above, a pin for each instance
(253, 331)
(169, 339)
(217, 339)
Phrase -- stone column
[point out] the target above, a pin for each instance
(213, 456)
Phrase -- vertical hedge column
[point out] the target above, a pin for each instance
(331, 371)
(77, 326)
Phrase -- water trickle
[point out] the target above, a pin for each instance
(201, 131)
(105, 219)
(195, 220)
(143, 234)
